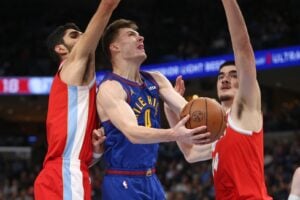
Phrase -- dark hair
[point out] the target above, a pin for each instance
(56, 37)
(111, 33)
(226, 63)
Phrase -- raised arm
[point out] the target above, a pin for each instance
(248, 95)
(82, 54)
(111, 99)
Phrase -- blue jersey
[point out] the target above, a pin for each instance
(143, 98)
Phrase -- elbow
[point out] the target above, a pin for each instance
(128, 133)
(190, 159)
(198, 158)
(133, 140)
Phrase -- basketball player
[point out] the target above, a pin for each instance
(72, 114)
(238, 163)
(295, 187)
(128, 106)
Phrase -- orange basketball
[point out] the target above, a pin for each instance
(208, 112)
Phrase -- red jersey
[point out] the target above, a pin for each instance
(71, 119)
(238, 165)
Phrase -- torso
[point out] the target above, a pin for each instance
(71, 119)
(144, 101)
(238, 164)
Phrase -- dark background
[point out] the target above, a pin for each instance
(173, 30)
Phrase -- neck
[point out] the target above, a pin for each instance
(127, 69)
(226, 104)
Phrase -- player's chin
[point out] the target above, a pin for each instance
(225, 97)
(143, 55)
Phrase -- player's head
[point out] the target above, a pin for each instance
(227, 83)
(122, 40)
(61, 41)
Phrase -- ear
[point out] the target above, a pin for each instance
(60, 49)
(114, 47)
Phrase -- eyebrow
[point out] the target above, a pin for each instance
(131, 31)
(230, 72)
(72, 32)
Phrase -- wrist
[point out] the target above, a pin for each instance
(172, 136)
(97, 155)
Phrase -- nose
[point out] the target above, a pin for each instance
(225, 79)
(140, 38)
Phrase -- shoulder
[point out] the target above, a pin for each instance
(158, 77)
(155, 74)
(112, 87)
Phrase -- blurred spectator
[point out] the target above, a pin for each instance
(181, 180)
(174, 30)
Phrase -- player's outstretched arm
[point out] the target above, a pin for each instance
(248, 95)
(111, 99)
(82, 54)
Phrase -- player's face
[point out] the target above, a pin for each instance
(70, 38)
(130, 45)
(227, 84)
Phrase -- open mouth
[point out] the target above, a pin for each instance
(141, 47)
(225, 88)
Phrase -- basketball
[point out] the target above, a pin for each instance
(208, 112)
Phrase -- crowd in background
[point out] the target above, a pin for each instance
(173, 30)
(181, 180)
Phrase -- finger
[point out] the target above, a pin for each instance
(199, 130)
(182, 85)
(184, 120)
(178, 79)
(178, 83)
(201, 142)
(201, 136)
(96, 133)
(101, 140)
(102, 131)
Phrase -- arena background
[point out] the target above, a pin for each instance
(174, 31)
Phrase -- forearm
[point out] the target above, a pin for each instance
(145, 135)
(195, 153)
(171, 116)
(95, 28)
(237, 28)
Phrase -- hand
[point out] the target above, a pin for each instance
(111, 3)
(197, 135)
(98, 138)
(179, 85)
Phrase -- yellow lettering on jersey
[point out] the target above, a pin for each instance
(139, 106)
(149, 99)
(142, 102)
(147, 118)
(154, 102)
(137, 111)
